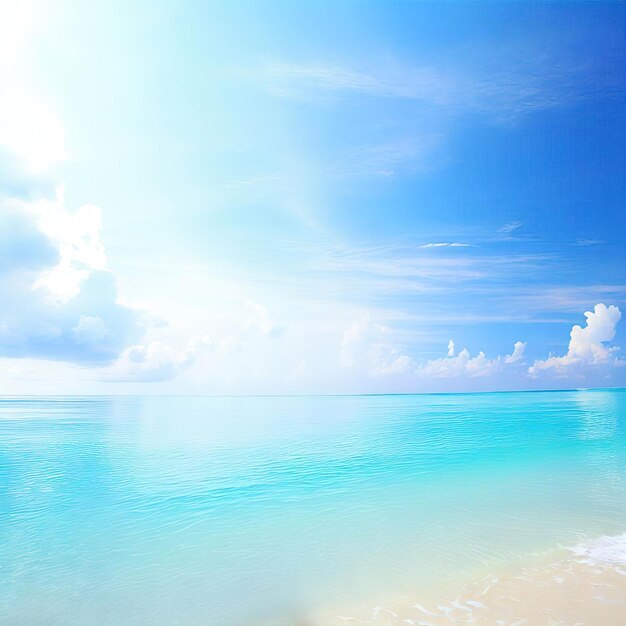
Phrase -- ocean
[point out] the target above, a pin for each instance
(302, 510)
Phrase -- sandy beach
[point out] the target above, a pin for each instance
(583, 586)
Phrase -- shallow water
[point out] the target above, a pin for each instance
(227, 511)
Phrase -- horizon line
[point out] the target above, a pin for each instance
(307, 395)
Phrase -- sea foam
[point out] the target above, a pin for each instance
(606, 549)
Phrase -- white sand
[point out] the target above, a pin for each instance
(584, 586)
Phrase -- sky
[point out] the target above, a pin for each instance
(311, 197)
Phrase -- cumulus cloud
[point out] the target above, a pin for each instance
(156, 361)
(518, 353)
(22, 245)
(77, 237)
(450, 348)
(59, 300)
(587, 344)
(465, 365)
(367, 346)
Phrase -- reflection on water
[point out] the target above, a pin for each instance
(599, 413)
(249, 510)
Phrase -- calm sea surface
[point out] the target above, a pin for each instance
(237, 511)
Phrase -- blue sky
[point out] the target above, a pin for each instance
(311, 197)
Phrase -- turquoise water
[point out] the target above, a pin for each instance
(227, 511)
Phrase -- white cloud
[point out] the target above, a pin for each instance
(454, 244)
(500, 85)
(21, 371)
(391, 363)
(247, 337)
(155, 362)
(518, 353)
(59, 300)
(418, 152)
(464, 365)
(461, 365)
(507, 229)
(587, 345)
(77, 238)
(367, 346)
(29, 130)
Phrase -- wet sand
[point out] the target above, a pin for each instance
(585, 586)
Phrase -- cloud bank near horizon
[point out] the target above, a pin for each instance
(59, 300)
(587, 347)
(334, 220)
(61, 304)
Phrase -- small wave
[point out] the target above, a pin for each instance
(537, 594)
(606, 549)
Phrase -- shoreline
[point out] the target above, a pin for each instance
(584, 585)
(9, 397)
